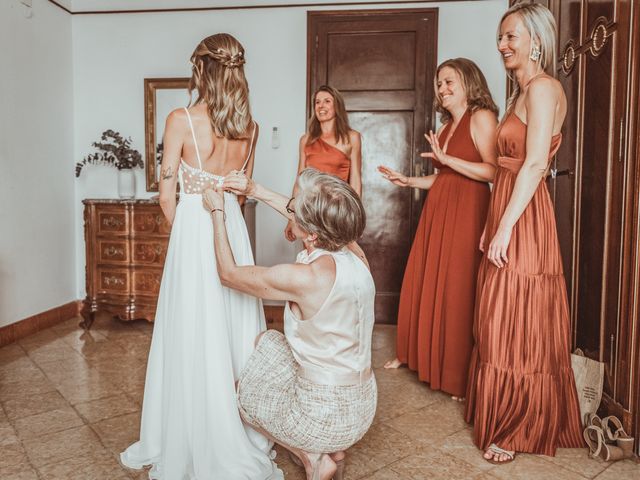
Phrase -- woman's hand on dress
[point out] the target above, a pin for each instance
(497, 252)
(436, 151)
(213, 199)
(288, 232)
(237, 182)
(394, 177)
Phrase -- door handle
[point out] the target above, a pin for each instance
(418, 171)
(560, 173)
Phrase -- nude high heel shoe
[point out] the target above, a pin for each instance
(594, 437)
(617, 435)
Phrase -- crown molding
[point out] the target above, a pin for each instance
(111, 7)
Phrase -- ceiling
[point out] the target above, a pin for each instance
(85, 6)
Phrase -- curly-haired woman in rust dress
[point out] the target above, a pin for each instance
(435, 318)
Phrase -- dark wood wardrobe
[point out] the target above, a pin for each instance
(595, 184)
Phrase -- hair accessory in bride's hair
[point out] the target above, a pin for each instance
(225, 58)
(236, 60)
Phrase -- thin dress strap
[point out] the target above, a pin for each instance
(193, 134)
(253, 134)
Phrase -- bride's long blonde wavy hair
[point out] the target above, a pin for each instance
(218, 77)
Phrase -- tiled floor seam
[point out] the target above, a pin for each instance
(562, 467)
(26, 455)
(388, 465)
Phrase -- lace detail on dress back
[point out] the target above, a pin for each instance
(197, 180)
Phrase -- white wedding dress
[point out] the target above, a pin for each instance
(203, 335)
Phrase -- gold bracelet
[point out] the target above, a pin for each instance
(224, 215)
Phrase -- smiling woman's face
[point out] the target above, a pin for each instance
(514, 42)
(450, 89)
(323, 106)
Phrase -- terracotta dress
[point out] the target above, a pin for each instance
(522, 394)
(328, 159)
(435, 317)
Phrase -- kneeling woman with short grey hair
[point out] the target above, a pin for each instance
(311, 390)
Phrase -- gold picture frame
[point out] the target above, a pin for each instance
(160, 98)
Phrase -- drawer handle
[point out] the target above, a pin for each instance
(108, 281)
(113, 251)
(112, 222)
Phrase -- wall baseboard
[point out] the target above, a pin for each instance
(40, 321)
(274, 315)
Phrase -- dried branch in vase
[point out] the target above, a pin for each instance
(115, 151)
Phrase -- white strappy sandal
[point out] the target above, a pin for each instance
(500, 451)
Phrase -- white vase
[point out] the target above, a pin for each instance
(126, 183)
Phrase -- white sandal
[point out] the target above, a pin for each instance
(500, 451)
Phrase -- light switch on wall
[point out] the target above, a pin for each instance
(27, 8)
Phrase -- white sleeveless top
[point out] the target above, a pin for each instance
(197, 180)
(333, 347)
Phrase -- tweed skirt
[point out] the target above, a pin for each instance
(301, 414)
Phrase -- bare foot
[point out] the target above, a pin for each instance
(338, 456)
(395, 363)
(458, 399)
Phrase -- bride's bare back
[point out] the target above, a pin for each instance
(219, 155)
(190, 145)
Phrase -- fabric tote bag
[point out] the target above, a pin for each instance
(589, 376)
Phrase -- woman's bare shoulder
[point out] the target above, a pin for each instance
(483, 118)
(544, 85)
(177, 115)
(354, 136)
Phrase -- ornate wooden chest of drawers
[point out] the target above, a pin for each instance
(126, 244)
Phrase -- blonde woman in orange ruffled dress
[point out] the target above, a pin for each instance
(522, 395)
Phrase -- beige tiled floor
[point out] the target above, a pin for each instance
(70, 402)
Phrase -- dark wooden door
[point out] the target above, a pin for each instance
(384, 63)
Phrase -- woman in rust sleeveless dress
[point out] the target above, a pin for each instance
(330, 145)
(435, 316)
(522, 395)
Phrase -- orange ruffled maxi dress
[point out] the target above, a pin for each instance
(522, 394)
(328, 159)
(435, 316)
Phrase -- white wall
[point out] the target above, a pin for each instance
(37, 244)
(112, 54)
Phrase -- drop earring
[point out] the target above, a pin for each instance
(535, 54)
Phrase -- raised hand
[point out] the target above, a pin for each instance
(237, 182)
(436, 151)
(394, 177)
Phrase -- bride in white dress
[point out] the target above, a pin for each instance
(203, 332)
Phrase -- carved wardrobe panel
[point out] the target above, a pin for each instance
(595, 184)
